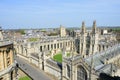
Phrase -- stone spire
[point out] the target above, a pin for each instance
(83, 27)
(94, 27)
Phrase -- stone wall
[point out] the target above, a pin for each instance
(53, 70)
(50, 67)
(52, 45)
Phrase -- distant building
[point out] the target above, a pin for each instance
(74, 33)
(104, 31)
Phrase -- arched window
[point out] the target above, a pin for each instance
(81, 73)
(41, 48)
(68, 71)
(21, 49)
(48, 47)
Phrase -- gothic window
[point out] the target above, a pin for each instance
(57, 45)
(92, 47)
(99, 47)
(54, 46)
(82, 48)
(22, 49)
(81, 73)
(51, 46)
(40, 48)
(48, 47)
(103, 47)
(68, 71)
(26, 51)
(60, 45)
(88, 42)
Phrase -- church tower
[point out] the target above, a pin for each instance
(83, 30)
(82, 42)
(62, 31)
(94, 29)
(94, 39)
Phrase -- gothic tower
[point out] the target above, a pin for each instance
(94, 29)
(94, 39)
(62, 31)
(82, 42)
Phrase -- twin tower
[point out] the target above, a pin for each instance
(88, 40)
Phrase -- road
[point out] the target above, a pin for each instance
(32, 71)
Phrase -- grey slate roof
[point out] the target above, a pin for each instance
(99, 58)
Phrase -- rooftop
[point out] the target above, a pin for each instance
(99, 58)
(5, 43)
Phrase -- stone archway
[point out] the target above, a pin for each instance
(81, 73)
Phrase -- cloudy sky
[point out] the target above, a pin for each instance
(53, 13)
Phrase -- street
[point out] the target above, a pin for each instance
(32, 71)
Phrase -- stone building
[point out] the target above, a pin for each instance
(90, 54)
(7, 62)
(89, 68)
(87, 42)
(62, 31)
(1, 36)
(95, 56)
(90, 42)
(52, 45)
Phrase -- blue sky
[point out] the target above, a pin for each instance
(53, 13)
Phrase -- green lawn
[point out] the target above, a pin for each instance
(33, 39)
(116, 29)
(68, 54)
(24, 78)
(58, 57)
